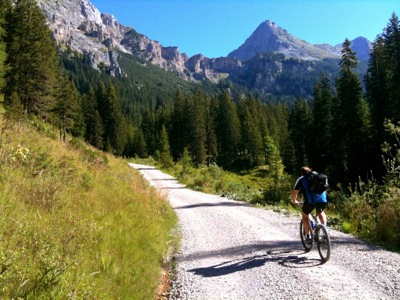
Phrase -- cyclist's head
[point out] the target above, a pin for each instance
(304, 170)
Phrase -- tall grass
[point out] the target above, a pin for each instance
(76, 223)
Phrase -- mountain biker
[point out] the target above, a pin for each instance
(308, 207)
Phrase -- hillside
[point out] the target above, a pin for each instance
(75, 222)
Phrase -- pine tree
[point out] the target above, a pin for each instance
(15, 106)
(179, 117)
(93, 123)
(378, 99)
(139, 144)
(179, 136)
(377, 92)
(277, 117)
(165, 153)
(5, 11)
(251, 141)
(351, 132)
(383, 88)
(272, 157)
(3, 54)
(67, 109)
(349, 58)
(32, 56)
(197, 128)
(228, 130)
(321, 151)
(383, 77)
(211, 121)
(116, 128)
(148, 127)
(299, 126)
(391, 50)
(258, 109)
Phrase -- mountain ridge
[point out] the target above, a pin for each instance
(79, 25)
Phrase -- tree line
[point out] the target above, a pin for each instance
(340, 131)
(214, 129)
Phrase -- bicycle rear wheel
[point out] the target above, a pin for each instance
(303, 236)
(323, 242)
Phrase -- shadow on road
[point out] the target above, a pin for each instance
(286, 253)
(208, 204)
(356, 245)
(146, 168)
(245, 250)
(290, 259)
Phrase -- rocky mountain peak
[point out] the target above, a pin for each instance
(362, 47)
(89, 12)
(269, 37)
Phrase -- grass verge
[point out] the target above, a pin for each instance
(76, 223)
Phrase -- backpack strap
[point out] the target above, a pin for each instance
(306, 185)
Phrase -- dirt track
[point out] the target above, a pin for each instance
(231, 250)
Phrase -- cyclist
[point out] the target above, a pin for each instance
(302, 186)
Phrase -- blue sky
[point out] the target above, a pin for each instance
(216, 27)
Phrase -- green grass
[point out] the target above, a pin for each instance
(76, 223)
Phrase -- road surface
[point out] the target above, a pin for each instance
(232, 250)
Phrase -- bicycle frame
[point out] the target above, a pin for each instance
(319, 236)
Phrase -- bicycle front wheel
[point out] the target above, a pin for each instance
(303, 236)
(323, 242)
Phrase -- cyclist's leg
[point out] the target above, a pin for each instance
(320, 207)
(307, 208)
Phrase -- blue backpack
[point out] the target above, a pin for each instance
(315, 185)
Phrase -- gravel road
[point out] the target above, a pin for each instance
(231, 250)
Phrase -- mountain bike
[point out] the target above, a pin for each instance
(320, 237)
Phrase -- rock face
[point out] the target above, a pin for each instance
(79, 25)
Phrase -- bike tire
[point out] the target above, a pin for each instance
(323, 242)
(303, 235)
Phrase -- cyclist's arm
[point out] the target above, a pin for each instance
(297, 186)
(294, 196)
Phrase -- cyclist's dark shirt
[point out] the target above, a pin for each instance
(307, 208)
(298, 186)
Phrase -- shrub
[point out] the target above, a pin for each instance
(277, 188)
(361, 215)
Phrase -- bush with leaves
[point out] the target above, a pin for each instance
(373, 209)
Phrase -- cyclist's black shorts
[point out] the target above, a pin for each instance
(308, 208)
